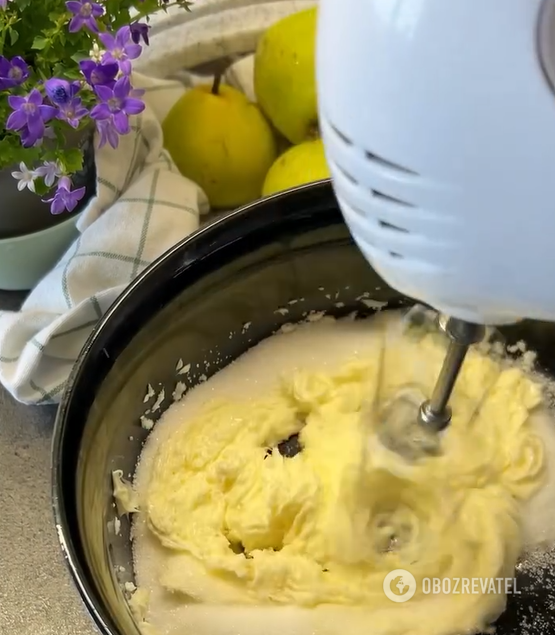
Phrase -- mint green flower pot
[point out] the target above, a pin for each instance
(25, 260)
(32, 240)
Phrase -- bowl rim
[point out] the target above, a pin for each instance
(221, 229)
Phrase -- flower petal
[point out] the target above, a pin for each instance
(19, 62)
(16, 101)
(35, 97)
(74, 88)
(75, 24)
(122, 87)
(110, 69)
(64, 183)
(101, 111)
(103, 74)
(86, 66)
(16, 121)
(121, 122)
(36, 126)
(137, 93)
(74, 6)
(91, 24)
(47, 112)
(74, 198)
(113, 137)
(123, 36)
(107, 133)
(97, 10)
(133, 51)
(28, 138)
(103, 92)
(5, 66)
(125, 67)
(108, 40)
(58, 205)
(133, 106)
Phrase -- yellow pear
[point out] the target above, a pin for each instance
(300, 164)
(285, 76)
(221, 141)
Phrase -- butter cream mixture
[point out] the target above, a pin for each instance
(266, 492)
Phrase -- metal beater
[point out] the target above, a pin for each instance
(411, 427)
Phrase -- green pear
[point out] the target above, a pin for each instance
(303, 163)
(221, 141)
(285, 76)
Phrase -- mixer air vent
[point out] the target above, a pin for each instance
(388, 164)
(390, 199)
(372, 156)
(344, 172)
(343, 138)
(385, 225)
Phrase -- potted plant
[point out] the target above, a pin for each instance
(65, 85)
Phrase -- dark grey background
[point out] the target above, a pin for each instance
(37, 596)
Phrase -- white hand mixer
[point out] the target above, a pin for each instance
(438, 121)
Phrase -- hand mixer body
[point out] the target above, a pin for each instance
(438, 120)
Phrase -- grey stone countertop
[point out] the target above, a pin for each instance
(37, 596)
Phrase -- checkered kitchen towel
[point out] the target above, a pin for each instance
(143, 206)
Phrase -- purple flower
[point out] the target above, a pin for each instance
(12, 72)
(120, 49)
(65, 198)
(118, 104)
(4, 3)
(107, 132)
(96, 73)
(139, 30)
(49, 171)
(29, 116)
(84, 14)
(137, 93)
(73, 112)
(62, 93)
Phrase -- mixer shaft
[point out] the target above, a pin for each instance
(435, 413)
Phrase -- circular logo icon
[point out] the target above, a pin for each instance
(399, 585)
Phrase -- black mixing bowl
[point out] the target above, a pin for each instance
(237, 272)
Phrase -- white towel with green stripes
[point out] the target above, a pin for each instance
(143, 206)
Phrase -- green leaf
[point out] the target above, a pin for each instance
(14, 35)
(79, 57)
(72, 160)
(40, 188)
(39, 43)
(12, 153)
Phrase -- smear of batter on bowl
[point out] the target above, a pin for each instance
(125, 496)
(268, 506)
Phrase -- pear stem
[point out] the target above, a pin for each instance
(216, 84)
(313, 131)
